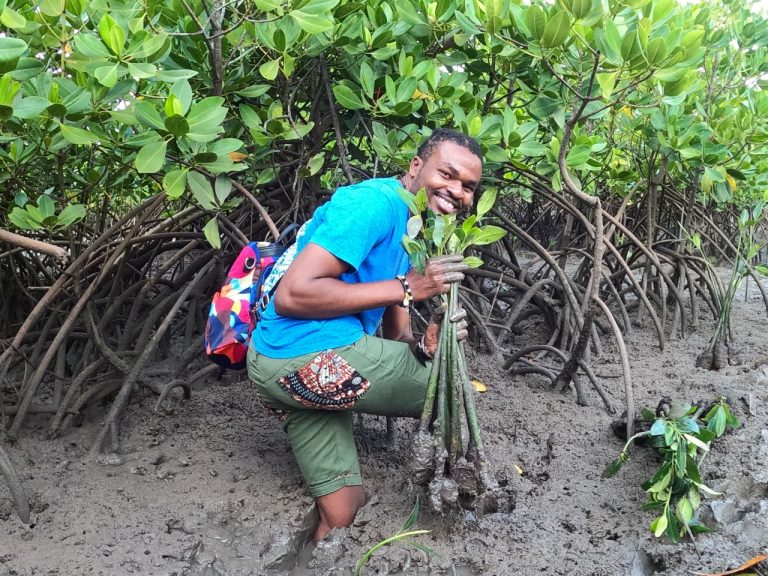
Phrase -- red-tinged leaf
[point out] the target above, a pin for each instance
(748, 564)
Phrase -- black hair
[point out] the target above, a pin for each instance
(440, 135)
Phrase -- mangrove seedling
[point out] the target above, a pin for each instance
(404, 534)
(674, 491)
(448, 452)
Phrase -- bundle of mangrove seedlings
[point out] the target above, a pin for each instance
(448, 453)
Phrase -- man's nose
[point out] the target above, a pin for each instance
(454, 187)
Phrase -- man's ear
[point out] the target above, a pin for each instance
(415, 167)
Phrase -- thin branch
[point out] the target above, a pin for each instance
(335, 119)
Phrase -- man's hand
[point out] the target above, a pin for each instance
(439, 273)
(432, 332)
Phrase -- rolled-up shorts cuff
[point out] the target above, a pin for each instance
(329, 486)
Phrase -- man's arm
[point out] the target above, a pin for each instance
(311, 287)
(396, 325)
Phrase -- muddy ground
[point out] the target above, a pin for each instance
(210, 488)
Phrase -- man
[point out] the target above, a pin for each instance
(313, 356)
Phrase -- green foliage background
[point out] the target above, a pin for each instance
(103, 103)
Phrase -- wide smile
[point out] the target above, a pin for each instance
(444, 204)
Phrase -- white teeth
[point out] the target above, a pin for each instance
(445, 205)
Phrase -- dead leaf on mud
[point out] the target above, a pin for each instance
(479, 386)
(748, 564)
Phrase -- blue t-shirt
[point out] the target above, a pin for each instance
(363, 225)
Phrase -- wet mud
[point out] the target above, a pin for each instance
(210, 487)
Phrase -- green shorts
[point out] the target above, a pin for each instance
(316, 394)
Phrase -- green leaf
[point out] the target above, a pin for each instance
(661, 484)
(11, 48)
(656, 51)
(486, 202)
(694, 498)
(46, 206)
(173, 75)
(658, 428)
(409, 199)
(707, 489)
(254, 91)
(630, 45)
(211, 231)
(147, 114)
(412, 517)
(71, 214)
(51, 7)
(24, 220)
(268, 5)
(473, 261)
(207, 115)
(684, 510)
(347, 97)
(367, 79)
(673, 531)
(556, 30)
(696, 442)
(543, 107)
(438, 232)
(112, 34)
(30, 107)
(12, 19)
(613, 468)
(493, 15)
(717, 423)
(580, 8)
(488, 235)
(650, 506)
(78, 136)
(140, 70)
(90, 46)
(680, 458)
(222, 187)
(201, 190)
(414, 226)
(608, 40)
(670, 74)
(269, 69)
(177, 125)
(174, 183)
(311, 23)
(536, 21)
(150, 46)
(151, 158)
(107, 75)
(578, 155)
(607, 82)
(26, 69)
(659, 525)
(316, 163)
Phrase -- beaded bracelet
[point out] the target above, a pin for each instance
(407, 292)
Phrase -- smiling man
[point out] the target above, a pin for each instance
(314, 358)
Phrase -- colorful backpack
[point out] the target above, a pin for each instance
(235, 308)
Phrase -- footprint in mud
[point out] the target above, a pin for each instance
(232, 545)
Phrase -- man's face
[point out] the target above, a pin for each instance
(450, 176)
